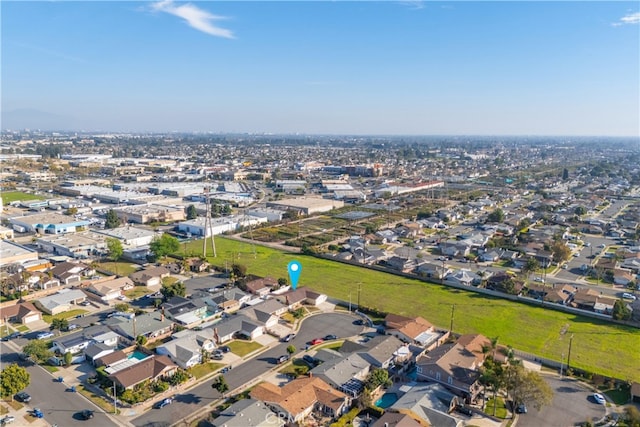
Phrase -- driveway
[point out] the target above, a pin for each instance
(252, 371)
(572, 404)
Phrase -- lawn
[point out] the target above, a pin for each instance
(501, 409)
(119, 268)
(98, 400)
(598, 346)
(66, 315)
(242, 348)
(297, 367)
(137, 292)
(204, 369)
(52, 369)
(13, 196)
(16, 406)
(3, 410)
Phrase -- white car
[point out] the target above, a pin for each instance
(627, 295)
(599, 398)
(7, 420)
(44, 335)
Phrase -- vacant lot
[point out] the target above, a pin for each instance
(598, 346)
(13, 196)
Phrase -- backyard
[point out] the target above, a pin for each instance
(598, 346)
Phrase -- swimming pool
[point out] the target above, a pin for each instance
(137, 355)
(387, 400)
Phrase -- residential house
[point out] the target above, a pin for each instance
(433, 271)
(187, 312)
(76, 342)
(110, 288)
(490, 256)
(294, 298)
(397, 419)
(592, 300)
(382, 351)
(110, 359)
(262, 286)
(150, 277)
(97, 350)
(197, 265)
(229, 300)
(70, 273)
(387, 236)
(431, 403)
(301, 397)
(455, 366)
(187, 347)
(622, 277)
(151, 325)
(414, 330)
(461, 278)
(24, 313)
(400, 264)
(248, 413)
(346, 373)
(504, 282)
(150, 369)
(238, 324)
(62, 301)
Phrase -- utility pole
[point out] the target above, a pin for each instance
(453, 306)
(569, 355)
(115, 401)
(359, 289)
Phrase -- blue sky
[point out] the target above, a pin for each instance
(319, 67)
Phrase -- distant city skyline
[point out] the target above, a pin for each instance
(316, 67)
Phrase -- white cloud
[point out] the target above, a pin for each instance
(413, 4)
(629, 18)
(197, 18)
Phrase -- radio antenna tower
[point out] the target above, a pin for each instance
(208, 227)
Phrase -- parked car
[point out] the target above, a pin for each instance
(225, 349)
(86, 414)
(316, 341)
(464, 410)
(330, 337)
(627, 295)
(37, 413)
(521, 409)
(164, 402)
(288, 338)
(22, 396)
(599, 398)
(218, 355)
(45, 335)
(283, 358)
(7, 420)
(72, 327)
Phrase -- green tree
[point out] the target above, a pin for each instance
(112, 220)
(122, 306)
(378, 377)
(580, 210)
(527, 386)
(174, 289)
(496, 216)
(141, 340)
(291, 349)
(164, 245)
(59, 324)
(531, 266)
(13, 378)
(179, 377)
(71, 211)
(565, 174)
(492, 376)
(239, 270)
(561, 252)
(621, 311)
(114, 247)
(68, 357)
(220, 384)
(37, 350)
(192, 212)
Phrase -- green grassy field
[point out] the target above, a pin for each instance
(242, 348)
(12, 196)
(598, 346)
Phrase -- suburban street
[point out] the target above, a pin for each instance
(185, 404)
(58, 405)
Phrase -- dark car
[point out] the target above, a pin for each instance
(23, 397)
(163, 403)
(521, 409)
(464, 410)
(225, 349)
(283, 358)
(359, 322)
(86, 414)
(330, 337)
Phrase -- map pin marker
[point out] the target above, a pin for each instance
(294, 268)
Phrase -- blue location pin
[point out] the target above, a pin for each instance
(294, 268)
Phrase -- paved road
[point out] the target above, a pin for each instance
(571, 405)
(58, 405)
(340, 324)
